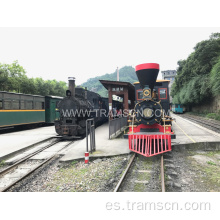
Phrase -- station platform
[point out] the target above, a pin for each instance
(104, 146)
(186, 132)
(14, 142)
(189, 132)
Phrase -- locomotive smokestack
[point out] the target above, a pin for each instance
(147, 74)
(72, 85)
(86, 93)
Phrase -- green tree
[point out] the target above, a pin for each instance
(126, 74)
(3, 78)
(194, 82)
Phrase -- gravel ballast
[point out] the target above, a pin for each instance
(185, 171)
(100, 175)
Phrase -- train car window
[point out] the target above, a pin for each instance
(162, 93)
(22, 106)
(15, 104)
(7, 104)
(38, 105)
(1, 104)
(29, 105)
(176, 106)
(42, 103)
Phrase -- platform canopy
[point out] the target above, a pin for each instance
(122, 89)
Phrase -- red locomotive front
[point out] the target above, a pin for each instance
(150, 129)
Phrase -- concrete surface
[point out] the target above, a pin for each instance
(190, 132)
(186, 132)
(16, 141)
(104, 146)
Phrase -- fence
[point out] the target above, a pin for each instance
(116, 125)
(90, 131)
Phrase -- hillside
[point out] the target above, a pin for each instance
(126, 74)
(198, 77)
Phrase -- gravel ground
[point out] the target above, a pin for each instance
(193, 171)
(101, 175)
(185, 171)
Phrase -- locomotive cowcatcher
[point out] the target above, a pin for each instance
(150, 129)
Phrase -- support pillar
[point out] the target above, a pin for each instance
(110, 104)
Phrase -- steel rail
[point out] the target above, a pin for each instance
(6, 157)
(125, 173)
(3, 172)
(32, 170)
(162, 175)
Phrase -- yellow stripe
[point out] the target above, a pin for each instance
(185, 133)
(21, 124)
(22, 110)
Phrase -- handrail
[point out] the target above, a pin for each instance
(90, 126)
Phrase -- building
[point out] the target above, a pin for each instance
(125, 90)
(169, 75)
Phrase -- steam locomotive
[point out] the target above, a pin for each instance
(150, 129)
(78, 106)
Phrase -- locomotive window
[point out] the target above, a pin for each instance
(7, 104)
(22, 104)
(1, 105)
(162, 93)
(15, 104)
(140, 95)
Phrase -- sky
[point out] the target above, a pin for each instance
(57, 53)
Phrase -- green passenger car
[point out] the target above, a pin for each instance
(20, 109)
(51, 112)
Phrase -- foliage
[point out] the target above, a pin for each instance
(215, 78)
(211, 163)
(126, 74)
(198, 77)
(215, 116)
(13, 78)
(2, 163)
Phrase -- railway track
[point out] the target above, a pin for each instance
(122, 179)
(28, 164)
(210, 124)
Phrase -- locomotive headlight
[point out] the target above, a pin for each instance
(148, 112)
